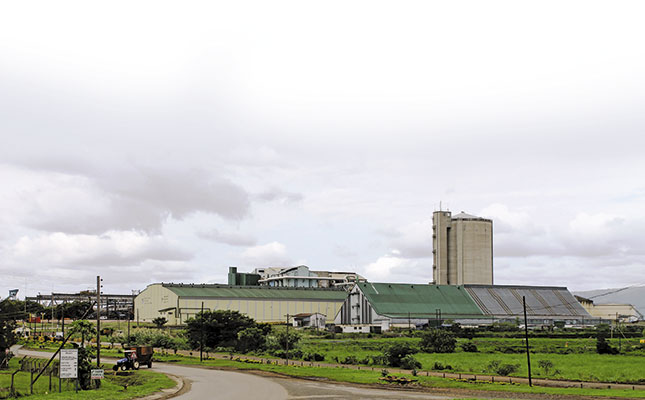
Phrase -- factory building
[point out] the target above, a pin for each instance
(462, 247)
(302, 276)
(612, 311)
(178, 302)
(544, 304)
(386, 305)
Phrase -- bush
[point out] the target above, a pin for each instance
(250, 339)
(313, 356)
(440, 367)
(546, 366)
(469, 347)
(409, 362)
(378, 360)
(395, 353)
(351, 360)
(438, 341)
(502, 369)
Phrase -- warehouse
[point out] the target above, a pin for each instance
(544, 304)
(178, 302)
(389, 305)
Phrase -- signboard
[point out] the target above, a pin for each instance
(98, 374)
(68, 363)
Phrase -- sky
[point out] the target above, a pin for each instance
(164, 142)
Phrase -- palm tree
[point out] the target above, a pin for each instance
(84, 327)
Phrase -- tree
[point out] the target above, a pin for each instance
(7, 324)
(396, 352)
(438, 341)
(159, 322)
(290, 339)
(83, 327)
(218, 328)
(250, 339)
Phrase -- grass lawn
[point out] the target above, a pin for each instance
(577, 365)
(371, 377)
(145, 382)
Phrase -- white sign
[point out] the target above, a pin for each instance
(68, 363)
(98, 374)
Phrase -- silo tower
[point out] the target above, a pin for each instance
(462, 247)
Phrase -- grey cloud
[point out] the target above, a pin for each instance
(277, 194)
(135, 197)
(230, 238)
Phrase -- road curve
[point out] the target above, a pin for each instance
(228, 385)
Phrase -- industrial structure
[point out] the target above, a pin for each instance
(179, 302)
(462, 247)
(300, 276)
(611, 311)
(113, 306)
(386, 305)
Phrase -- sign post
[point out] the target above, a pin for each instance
(97, 374)
(68, 363)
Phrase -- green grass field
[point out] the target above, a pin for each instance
(148, 382)
(573, 359)
(367, 376)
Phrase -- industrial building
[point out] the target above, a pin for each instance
(462, 247)
(300, 276)
(612, 311)
(178, 302)
(387, 305)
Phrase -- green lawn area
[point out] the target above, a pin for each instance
(576, 365)
(368, 376)
(147, 382)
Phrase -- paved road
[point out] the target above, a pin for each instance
(215, 384)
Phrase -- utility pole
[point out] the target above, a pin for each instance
(98, 321)
(526, 334)
(201, 328)
(287, 339)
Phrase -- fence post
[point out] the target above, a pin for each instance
(31, 380)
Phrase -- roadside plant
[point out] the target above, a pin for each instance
(396, 352)
(409, 362)
(438, 341)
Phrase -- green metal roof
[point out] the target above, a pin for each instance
(256, 292)
(396, 300)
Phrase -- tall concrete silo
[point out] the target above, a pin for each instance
(462, 246)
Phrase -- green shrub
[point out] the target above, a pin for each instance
(351, 360)
(440, 367)
(313, 356)
(395, 353)
(409, 362)
(438, 341)
(502, 369)
(546, 366)
(469, 347)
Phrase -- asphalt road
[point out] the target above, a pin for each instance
(227, 385)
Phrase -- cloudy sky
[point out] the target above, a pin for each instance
(151, 141)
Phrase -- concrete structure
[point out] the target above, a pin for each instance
(611, 312)
(310, 320)
(302, 276)
(178, 302)
(462, 248)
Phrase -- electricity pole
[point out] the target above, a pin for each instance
(201, 328)
(287, 339)
(526, 334)
(98, 321)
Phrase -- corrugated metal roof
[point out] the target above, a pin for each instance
(250, 292)
(396, 300)
(506, 300)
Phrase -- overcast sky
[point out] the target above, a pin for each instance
(148, 142)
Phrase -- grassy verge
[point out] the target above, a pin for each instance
(141, 384)
(371, 377)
